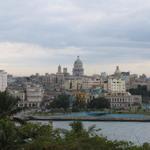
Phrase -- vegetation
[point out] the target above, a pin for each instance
(8, 104)
(140, 90)
(143, 91)
(79, 105)
(99, 103)
(62, 101)
(43, 137)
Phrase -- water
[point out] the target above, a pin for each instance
(105, 115)
(137, 133)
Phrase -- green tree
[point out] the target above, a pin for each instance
(62, 101)
(43, 137)
(8, 104)
(8, 135)
(99, 103)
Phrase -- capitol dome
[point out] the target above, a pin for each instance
(78, 67)
(78, 62)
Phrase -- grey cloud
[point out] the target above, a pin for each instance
(108, 31)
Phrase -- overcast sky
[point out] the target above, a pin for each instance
(38, 35)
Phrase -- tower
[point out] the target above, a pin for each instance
(59, 69)
(78, 68)
(117, 72)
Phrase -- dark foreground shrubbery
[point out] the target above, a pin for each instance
(44, 137)
(30, 136)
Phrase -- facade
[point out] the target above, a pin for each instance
(33, 96)
(3, 81)
(78, 68)
(124, 101)
(116, 85)
(73, 85)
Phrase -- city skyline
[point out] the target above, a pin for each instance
(37, 36)
(60, 69)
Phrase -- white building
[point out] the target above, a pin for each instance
(3, 81)
(116, 85)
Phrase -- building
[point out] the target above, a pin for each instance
(73, 85)
(116, 85)
(65, 72)
(124, 101)
(3, 80)
(78, 68)
(59, 70)
(33, 96)
(103, 76)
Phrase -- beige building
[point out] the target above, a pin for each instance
(124, 101)
(73, 84)
(33, 96)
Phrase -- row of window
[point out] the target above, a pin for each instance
(120, 100)
(120, 105)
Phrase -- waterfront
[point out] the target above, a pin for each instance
(137, 133)
(89, 116)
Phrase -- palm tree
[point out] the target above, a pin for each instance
(8, 104)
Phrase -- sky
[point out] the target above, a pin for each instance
(38, 35)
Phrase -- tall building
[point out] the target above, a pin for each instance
(3, 81)
(78, 68)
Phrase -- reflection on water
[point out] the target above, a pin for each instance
(138, 133)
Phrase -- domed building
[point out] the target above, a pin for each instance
(78, 68)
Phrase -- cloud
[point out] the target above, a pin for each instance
(39, 34)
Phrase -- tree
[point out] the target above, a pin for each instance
(8, 104)
(43, 137)
(140, 90)
(99, 103)
(8, 135)
(62, 101)
(80, 102)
